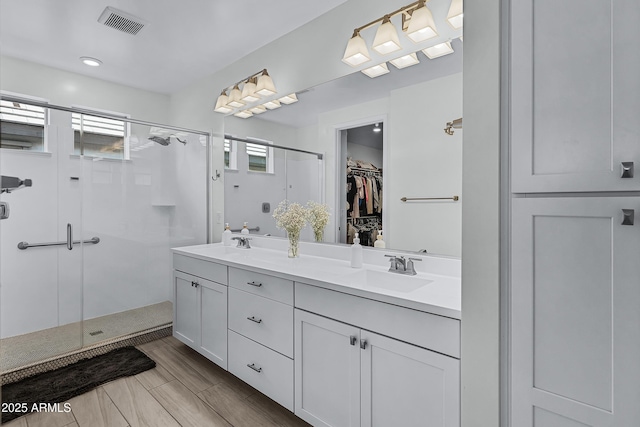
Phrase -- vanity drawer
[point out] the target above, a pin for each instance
(263, 320)
(267, 371)
(197, 267)
(433, 332)
(262, 284)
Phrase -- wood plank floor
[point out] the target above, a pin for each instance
(184, 389)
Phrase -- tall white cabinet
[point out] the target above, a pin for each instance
(575, 207)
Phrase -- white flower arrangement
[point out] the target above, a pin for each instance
(291, 217)
(318, 218)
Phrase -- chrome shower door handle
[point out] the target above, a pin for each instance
(69, 236)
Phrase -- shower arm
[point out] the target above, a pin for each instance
(450, 126)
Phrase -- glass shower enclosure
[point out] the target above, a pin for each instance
(91, 205)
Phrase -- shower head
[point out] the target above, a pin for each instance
(165, 141)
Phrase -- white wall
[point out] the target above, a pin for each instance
(365, 153)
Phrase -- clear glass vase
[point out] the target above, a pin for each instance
(294, 239)
(319, 235)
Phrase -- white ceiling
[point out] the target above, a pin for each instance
(184, 40)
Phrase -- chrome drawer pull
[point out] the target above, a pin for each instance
(253, 366)
(628, 216)
(627, 170)
(257, 285)
(353, 339)
(363, 344)
(253, 319)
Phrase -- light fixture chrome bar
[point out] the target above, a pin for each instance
(454, 198)
(26, 245)
(233, 138)
(392, 14)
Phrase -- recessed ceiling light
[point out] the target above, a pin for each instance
(92, 62)
(377, 128)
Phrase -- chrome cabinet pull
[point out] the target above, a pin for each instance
(363, 344)
(353, 339)
(253, 366)
(257, 285)
(69, 237)
(195, 284)
(627, 216)
(253, 319)
(627, 170)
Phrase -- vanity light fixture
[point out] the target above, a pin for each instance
(455, 15)
(417, 22)
(258, 109)
(92, 62)
(289, 99)
(376, 70)
(272, 105)
(356, 52)
(386, 40)
(221, 103)
(234, 97)
(438, 50)
(421, 26)
(265, 86)
(243, 114)
(405, 61)
(249, 94)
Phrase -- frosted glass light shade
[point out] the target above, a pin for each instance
(356, 52)
(265, 86)
(405, 61)
(289, 99)
(234, 98)
(386, 39)
(376, 70)
(258, 109)
(244, 114)
(272, 105)
(249, 94)
(221, 104)
(438, 50)
(421, 25)
(455, 15)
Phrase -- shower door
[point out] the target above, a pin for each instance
(40, 254)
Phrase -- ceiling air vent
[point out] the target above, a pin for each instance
(122, 21)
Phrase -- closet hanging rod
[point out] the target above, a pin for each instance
(454, 198)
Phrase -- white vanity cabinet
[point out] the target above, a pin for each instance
(200, 307)
(349, 376)
(261, 333)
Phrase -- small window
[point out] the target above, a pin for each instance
(258, 157)
(230, 155)
(22, 126)
(99, 136)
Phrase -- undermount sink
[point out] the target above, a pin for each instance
(388, 281)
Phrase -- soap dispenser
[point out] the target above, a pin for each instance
(245, 229)
(226, 235)
(356, 253)
(379, 243)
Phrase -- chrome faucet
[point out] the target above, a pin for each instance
(402, 265)
(243, 242)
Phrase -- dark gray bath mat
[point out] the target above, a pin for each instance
(60, 385)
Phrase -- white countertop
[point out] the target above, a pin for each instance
(432, 293)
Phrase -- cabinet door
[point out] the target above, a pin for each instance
(405, 385)
(575, 95)
(327, 364)
(186, 323)
(213, 321)
(575, 340)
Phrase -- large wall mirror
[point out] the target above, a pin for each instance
(385, 136)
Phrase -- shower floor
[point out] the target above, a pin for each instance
(24, 350)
